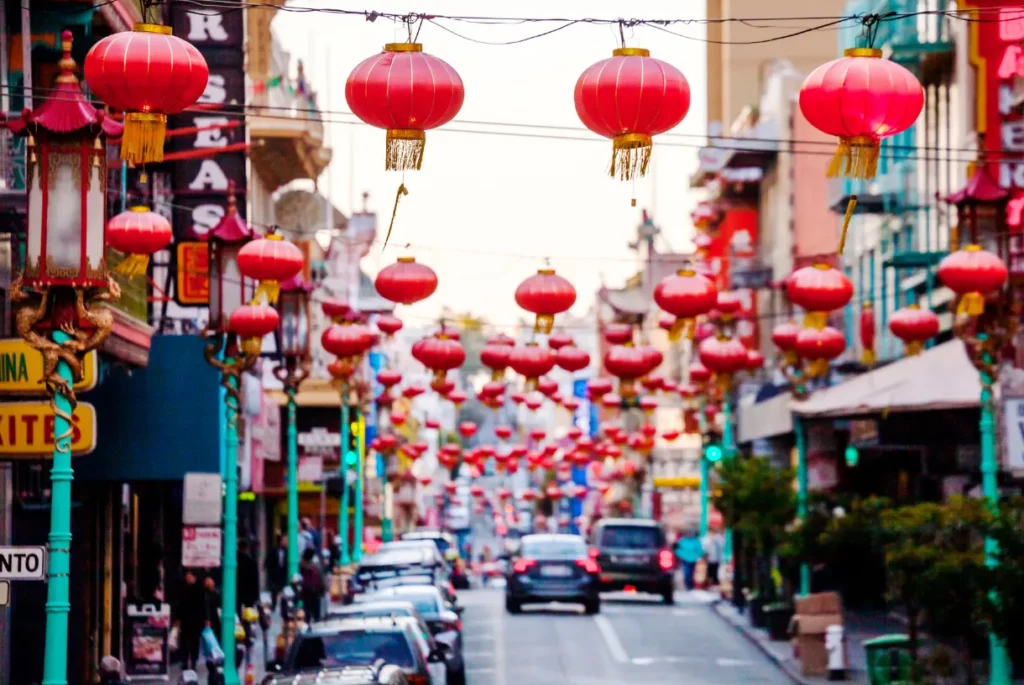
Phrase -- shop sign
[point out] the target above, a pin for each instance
(320, 441)
(200, 546)
(863, 432)
(26, 430)
(148, 635)
(21, 369)
(311, 470)
(1013, 434)
(193, 282)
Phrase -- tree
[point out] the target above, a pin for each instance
(1005, 605)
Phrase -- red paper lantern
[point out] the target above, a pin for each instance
(533, 402)
(698, 373)
(728, 302)
(346, 341)
(755, 360)
(397, 418)
(495, 356)
(545, 294)
(411, 391)
(867, 333)
(503, 432)
(388, 324)
(457, 397)
(406, 281)
(686, 295)
(596, 387)
(618, 333)
(972, 273)
(531, 361)
(914, 326)
(547, 387)
(439, 354)
(627, 363)
(818, 347)
(405, 91)
(492, 389)
(784, 336)
(138, 233)
(269, 260)
(553, 492)
(251, 322)
(611, 400)
(818, 290)
(334, 309)
(147, 73)
(670, 435)
(860, 99)
(557, 341)
(572, 359)
(467, 429)
(723, 356)
(571, 403)
(389, 377)
(432, 424)
(631, 97)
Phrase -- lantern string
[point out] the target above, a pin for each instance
(850, 206)
(402, 190)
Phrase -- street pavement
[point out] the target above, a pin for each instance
(635, 640)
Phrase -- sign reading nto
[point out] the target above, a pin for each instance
(21, 369)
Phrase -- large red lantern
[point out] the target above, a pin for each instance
(495, 355)
(860, 98)
(818, 347)
(784, 336)
(269, 260)
(440, 354)
(914, 326)
(627, 363)
(346, 342)
(334, 309)
(686, 295)
(531, 361)
(545, 294)
(147, 73)
(972, 273)
(818, 289)
(251, 322)
(631, 97)
(406, 281)
(618, 333)
(723, 357)
(138, 233)
(405, 91)
(572, 358)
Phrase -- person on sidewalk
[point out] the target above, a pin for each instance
(110, 672)
(689, 550)
(714, 550)
(190, 618)
(312, 585)
(276, 566)
(248, 574)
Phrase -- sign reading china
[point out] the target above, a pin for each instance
(26, 430)
(21, 369)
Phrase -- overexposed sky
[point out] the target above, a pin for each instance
(486, 209)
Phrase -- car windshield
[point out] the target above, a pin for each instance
(398, 582)
(552, 549)
(425, 603)
(370, 610)
(352, 648)
(631, 537)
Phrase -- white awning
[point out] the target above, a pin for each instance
(764, 419)
(940, 378)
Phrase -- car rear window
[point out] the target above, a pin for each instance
(632, 537)
(553, 549)
(426, 603)
(352, 648)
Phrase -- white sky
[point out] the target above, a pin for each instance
(483, 202)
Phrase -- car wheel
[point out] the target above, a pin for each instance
(592, 606)
(512, 606)
(668, 596)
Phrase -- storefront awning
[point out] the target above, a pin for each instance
(940, 378)
(764, 419)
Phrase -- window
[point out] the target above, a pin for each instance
(553, 549)
(632, 537)
(352, 648)
(425, 604)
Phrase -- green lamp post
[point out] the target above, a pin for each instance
(55, 297)
(293, 347)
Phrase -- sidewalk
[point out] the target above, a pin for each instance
(858, 629)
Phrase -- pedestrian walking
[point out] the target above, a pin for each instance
(312, 586)
(191, 619)
(689, 550)
(276, 566)
(110, 672)
(212, 601)
(714, 550)
(311, 535)
(248, 577)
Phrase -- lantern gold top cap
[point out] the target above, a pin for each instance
(406, 260)
(273, 236)
(972, 248)
(141, 209)
(546, 272)
(686, 272)
(403, 47)
(822, 266)
(152, 28)
(862, 52)
(631, 52)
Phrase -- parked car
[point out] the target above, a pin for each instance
(553, 568)
(389, 568)
(442, 620)
(449, 549)
(330, 646)
(378, 674)
(633, 553)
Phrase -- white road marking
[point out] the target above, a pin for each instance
(477, 655)
(683, 612)
(485, 637)
(479, 670)
(611, 640)
(733, 662)
(643, 661)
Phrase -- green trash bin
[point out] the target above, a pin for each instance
(888, 659)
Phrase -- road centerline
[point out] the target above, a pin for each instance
(611, 640)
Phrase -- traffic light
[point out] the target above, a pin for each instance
(852, 455)
(350, 451)
(351, 458)
(713, 452)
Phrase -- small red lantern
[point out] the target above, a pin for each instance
(476, 491)
(670, 435)
(728, 302)
(723, 356)
(411, 391)
(784, 336)
(251, 322)
(686, 295)
(627, 363)
(618, 333)
(405, 91)
(406, 281)
(529, 495)
(545, 294)
(867, 333)
(972, 273)
(138, 233)
(755, 360)
(631, 97)
(914, 326)
(346, 342)
(503, 432)
(818, 347)
(495, 355)
(818, 289)
(432, 424)
(335, 309)
(596, 387)
(146, 73)
(426, 480)
(611, 400)
(269, 260)
(467, 429)
(557, 341)
(439, 354)
(860, 98)
(537, 434)
(553, 492)
(457, 397)
(388, 324)
(572, 358)
(389, 377)
(397, 418)
(547, 387)
(698, 373)
(531, 361)
(571, 403)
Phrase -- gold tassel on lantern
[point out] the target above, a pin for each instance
(914, 348)
(855, 158)
(133, 265)
(143, 138)
(544, 324)
(971, 304)
(681, 327)
(252, 346)
(631, 155)
(867, 358)
(816, 320)
(627, 387)
(269, 289)
(404, 149)
(850, 206)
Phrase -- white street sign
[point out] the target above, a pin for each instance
(5, 593)
(22, 563)
(1013, 434)
(203, 499)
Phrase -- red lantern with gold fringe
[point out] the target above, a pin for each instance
(440, 354)
(406, 281)
(545, 294)
(531, 361)
(818, 347)
(818, 289)
(685, 295)
(784, 336)
(269, 260)
(972, 273)
(914, 326)
(138, 233)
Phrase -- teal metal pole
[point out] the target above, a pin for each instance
(293, 487)
(228, 588)
(357, 549)
(1000, 667)
(58, 602)
(801, 494)
(345, 557)
(704, 470)
(728, 452)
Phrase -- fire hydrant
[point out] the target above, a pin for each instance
(836, 652)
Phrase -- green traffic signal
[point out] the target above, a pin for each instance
(713, 453)
(351, 458)
(852, 455)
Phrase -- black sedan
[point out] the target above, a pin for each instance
(553, 568)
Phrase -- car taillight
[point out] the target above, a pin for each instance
(418, 679)
(524, 565)
(594, 552)
(588, 565)
(666, 560)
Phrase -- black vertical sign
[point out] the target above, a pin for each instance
(200, 184)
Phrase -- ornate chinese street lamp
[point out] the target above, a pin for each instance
(293, 336)
(64, 278)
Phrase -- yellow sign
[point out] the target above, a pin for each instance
(21, 368)
(677, 482)
(26, 430)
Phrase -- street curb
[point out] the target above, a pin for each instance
(791, 673)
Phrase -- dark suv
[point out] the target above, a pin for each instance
(633, 553)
